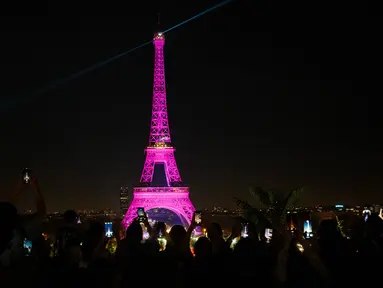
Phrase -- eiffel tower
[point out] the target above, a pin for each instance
(174, 196)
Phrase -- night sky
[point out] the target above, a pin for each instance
(273, 95)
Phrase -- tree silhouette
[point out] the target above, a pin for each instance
(276, 203)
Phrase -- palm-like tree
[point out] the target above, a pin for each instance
(276, 203)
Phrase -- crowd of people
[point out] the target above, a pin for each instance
(289, 260)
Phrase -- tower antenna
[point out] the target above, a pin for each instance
(158, 18)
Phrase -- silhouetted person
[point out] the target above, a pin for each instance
(97, 267)
(177, 256)
(215, 234)
(68, 239)
(333, 250)
(203, 250)
(11, 245)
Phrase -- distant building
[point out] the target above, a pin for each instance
(124, 197)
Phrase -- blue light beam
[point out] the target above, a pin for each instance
(102, 63)
(223, 3)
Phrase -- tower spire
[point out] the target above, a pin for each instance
(159, 126)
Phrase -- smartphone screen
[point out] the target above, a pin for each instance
(26, 175)
(27, 247)
(366, 214)
(141, 214)
(108, 229)
(268, 234)
(244, 231)
(308, 229)
(198, 217)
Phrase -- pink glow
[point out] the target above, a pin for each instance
(175, 197)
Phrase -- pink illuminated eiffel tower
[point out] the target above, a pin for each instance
(175, 196)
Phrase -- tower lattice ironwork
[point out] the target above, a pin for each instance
(175, 196)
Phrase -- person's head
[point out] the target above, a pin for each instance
(328, 230)
(177, 234)
(161, 226)
(245, 246)
(245, 250)
(93, 239)
(203, 248)
(133, 233)
(214, 232)
(252, 230)
(70, 217)
(374, 226)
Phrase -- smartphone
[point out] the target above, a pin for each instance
(198, 217)
(26, 176)
(268, 234)
(108, 229)
(307, 226)
(245, 230)
(27, 247)
(308, 229)
(366, 214)
(141, 214)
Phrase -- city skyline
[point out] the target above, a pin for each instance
(282, 112)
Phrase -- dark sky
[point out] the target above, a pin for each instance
(273, 95)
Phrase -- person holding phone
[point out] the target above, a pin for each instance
(68, 235)
(10, 237)
(142, 218)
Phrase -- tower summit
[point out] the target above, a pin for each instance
(174, 196)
